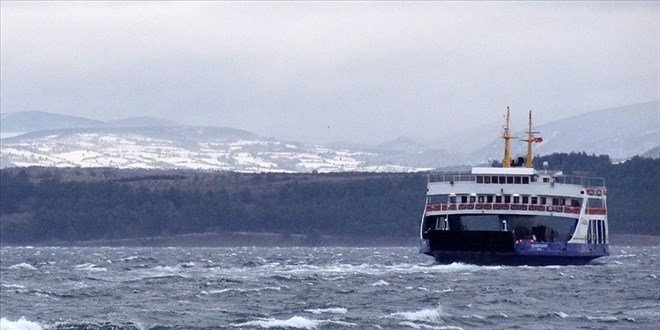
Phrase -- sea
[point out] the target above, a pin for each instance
(318, 288)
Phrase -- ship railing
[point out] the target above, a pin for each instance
(431, 207)
(583, 181)
(452, 177)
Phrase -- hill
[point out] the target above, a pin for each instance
(32, 121)
(152, 143)
(41, 205)
(621, 133)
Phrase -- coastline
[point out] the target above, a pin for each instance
(241, 239)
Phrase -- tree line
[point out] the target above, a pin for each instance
(49, 204)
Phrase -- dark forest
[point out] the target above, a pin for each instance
(42, 205)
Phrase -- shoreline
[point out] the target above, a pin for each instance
(244, 239)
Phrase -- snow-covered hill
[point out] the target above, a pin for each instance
(206, 148)
(145, 142)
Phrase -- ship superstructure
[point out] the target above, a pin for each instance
(514, 214)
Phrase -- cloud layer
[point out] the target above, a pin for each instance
(326, 71)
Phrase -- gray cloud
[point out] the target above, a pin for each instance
(327, 71)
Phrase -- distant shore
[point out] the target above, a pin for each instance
(634, 240)
(233, 239)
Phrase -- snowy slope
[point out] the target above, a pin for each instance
(204, 148)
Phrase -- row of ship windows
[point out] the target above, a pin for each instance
(515, 199)
(507, 179)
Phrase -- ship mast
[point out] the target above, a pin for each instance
(530, 139)
(506, 162)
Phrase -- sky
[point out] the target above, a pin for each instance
(364, 72)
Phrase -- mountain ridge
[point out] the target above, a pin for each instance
(620, 132)
(150, 142)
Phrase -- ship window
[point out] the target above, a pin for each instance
(555, 201)
(498, 199)
(516, 199)
(452, 199)
(546, 179)
(525, 200)
(463, 199)
(481, 199)
(507, 198)
(595, 202)
(438, 198)
(472, 199)
(544, 201)
(502, 180)
(494, 178)
(525, 180)
(489, 199)
(486, 179)
(480, 179)
(535, 200)
(575, 202)
(509, 179)
(518, 179)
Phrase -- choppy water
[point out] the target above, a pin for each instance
(318, 288)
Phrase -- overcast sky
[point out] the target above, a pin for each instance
(323, 71)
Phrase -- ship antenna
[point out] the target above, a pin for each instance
(530, 139)
(506, 162)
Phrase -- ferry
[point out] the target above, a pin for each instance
(514, 214)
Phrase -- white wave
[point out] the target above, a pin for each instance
(22, 265)
(474, 316)
(12, 286)
(602, 318)
(427, 326)
(461, 267)
(20, 324)
(337, 270)
(296, 322)
(90, 268)
(333, 310)
(242, 290)
(426, 315)
(411, 324)
(218, 291)
(561, 314)
(380, 283)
